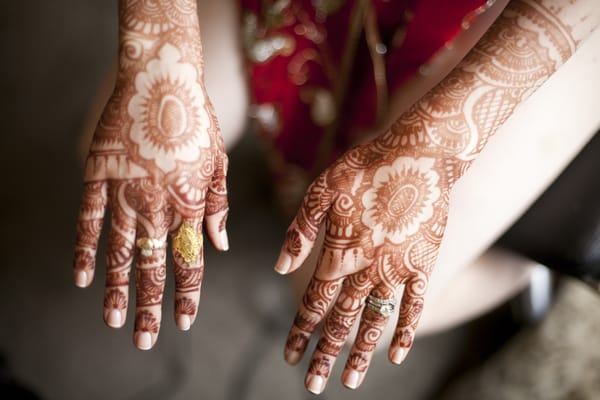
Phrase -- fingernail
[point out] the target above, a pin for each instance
(398, 356)
(184, 322)
(223, 240)
(283, 264)
(114, 319)
(351, 379)
(144, 341)
(292, 357)
(315, 384)
(81, 279)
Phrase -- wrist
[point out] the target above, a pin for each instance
(155, 19)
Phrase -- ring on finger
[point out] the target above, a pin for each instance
(384, 307)
(148, 245)
(188, 242)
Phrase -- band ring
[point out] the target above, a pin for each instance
(384, 307)
(148, 245)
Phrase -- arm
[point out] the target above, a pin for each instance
(384, 204)
(157, 159)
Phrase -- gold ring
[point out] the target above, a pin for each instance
(148, 245)
(188, 242)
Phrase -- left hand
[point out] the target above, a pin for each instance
(385, 215)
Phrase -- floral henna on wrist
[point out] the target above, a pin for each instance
(158, 156)
(385, 203)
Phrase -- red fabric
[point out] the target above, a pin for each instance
(428, 26)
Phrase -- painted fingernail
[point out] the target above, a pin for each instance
(292, 357)
(223, 240)
(315, 384)
(184, 322)
(114, 319)
(398, 356)
(351, 379)
(144, 341)
(283, 264)
(81, 279)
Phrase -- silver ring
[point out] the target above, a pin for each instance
(148, 245)
(385, 307)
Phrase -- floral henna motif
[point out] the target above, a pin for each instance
(145, 321)
(157, 154)
(401, 199)
(115, 299)
(297, 342)
(185, 306)
(384, 204)
(320, 367)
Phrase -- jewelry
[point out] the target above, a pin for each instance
(148, 245)
(385, 307)
(188, 242)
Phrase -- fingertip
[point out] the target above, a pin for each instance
(398, 355)
(215, 227)
(82, 279)
(184, 322)
(292, 357)
(284, 263)
(351, 379)
(143, 340)
(114, 318)
(315, 384)
(223, 240)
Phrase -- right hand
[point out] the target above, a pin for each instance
(157, 159)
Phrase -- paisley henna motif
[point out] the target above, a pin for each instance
(385, 203)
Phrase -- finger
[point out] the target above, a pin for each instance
(89, 226)
(188, 256)
(318, 297)
(119, 256)
(217, 207)
(334, 334)
(411, 308)
(302, 233)
(150, 277)
(370, 330)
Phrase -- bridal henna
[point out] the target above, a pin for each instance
(158, 161)
(384, 204)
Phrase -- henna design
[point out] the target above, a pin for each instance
(155, 153)
(320, 367)
(149, 285)
(385, 203)
(145, 321)
(186, 306)
(357, 362)
(89, 226)
(297, 342)
(114, 298)
(189, 279)
(294, 244)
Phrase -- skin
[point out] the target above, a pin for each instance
(157, 159)
(383, 205)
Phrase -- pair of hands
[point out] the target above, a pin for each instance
(158, 161)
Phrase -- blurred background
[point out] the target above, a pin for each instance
(53, 342)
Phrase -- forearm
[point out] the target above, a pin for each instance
(528, 42)
(146, 27)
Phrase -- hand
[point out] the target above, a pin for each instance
(384, 219)
(157, 159)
